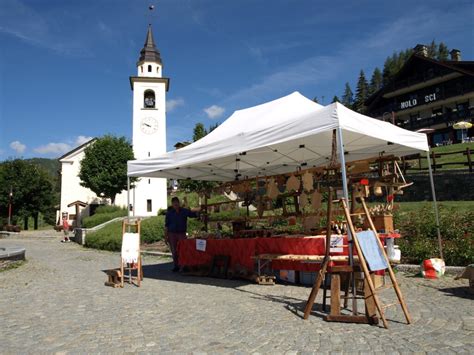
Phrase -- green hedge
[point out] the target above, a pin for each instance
(103, 214)
(419, 237)
(152, 230)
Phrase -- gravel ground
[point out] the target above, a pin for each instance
(57, 302)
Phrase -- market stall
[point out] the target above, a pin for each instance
(284, 139)
(288, 159)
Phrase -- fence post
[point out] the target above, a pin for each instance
(434, 161)
(468, 153)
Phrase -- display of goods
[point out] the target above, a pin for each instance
(310, 223)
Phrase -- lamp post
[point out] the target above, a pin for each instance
(10, 196)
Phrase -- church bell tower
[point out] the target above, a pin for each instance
(149, 126)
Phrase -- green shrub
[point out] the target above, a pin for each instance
(109, 209)
(103, 214)
(106, 238)
(420, 240)
(152, 230)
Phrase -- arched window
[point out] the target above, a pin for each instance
(157, 70)
(149, 99)
(149, 68)
(141, 68)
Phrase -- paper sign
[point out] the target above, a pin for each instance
(336, 244)
(201, 244)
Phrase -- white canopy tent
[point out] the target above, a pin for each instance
(282, 136)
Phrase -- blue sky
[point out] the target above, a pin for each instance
(64, 65)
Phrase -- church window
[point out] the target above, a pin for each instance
(141, 68)
(149, 68)
(148, 206)
(157, 70)
(149, 99)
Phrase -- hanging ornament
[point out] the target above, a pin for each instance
(316, 200)
(272, 189)
(378, 189)
(293, 184)
(308, 181)
(303, 200)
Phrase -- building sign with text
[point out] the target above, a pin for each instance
(414, 101)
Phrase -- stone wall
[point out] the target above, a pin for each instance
(450, 186)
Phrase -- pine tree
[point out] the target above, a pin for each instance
(432, 50)
(376, 81)
(362, 92)
(443, 51)
(212, 127)
(348, 96)
(199, 131)
(335, 99)
(387, 70)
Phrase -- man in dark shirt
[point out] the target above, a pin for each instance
(176, 225)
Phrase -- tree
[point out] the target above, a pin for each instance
(443, 51)
(104, 166)
(32, 190)
(212, 127)
(376, 81)
(362, 92)
(199, 131)
(335, 99)
(433, 50)
(348, 96)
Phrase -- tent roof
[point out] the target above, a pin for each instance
(279, 137)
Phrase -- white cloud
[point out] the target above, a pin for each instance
(174, 103)
(60, 148)
(18, 147)
(53, 149)
(214, 111)
(80, 140)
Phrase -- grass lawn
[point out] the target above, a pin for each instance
(452, 158)
(413, 206)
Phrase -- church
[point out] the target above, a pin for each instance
(149, 89)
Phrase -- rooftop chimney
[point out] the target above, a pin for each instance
(421, 49)
(455, 55)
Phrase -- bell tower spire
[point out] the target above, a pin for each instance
(149, 52)
(149, 63)
(149, 125)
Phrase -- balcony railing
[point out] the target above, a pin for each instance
(449, 118)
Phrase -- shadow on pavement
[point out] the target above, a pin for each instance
(462, 292)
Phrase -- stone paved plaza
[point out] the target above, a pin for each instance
(57, 302)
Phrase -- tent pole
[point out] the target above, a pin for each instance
(346, 197)
(128, 199)
(435, 205)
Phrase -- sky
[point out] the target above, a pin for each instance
(65, 65)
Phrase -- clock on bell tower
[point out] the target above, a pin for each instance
(149, 126)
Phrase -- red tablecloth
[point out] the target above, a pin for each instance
(241, 251)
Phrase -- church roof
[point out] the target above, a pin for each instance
(149, 52)
(77, 149)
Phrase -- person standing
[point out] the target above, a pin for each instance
(65, 230)
(176, 225)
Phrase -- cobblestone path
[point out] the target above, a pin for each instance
(57, 302)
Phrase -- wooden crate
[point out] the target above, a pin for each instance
(383, 222)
